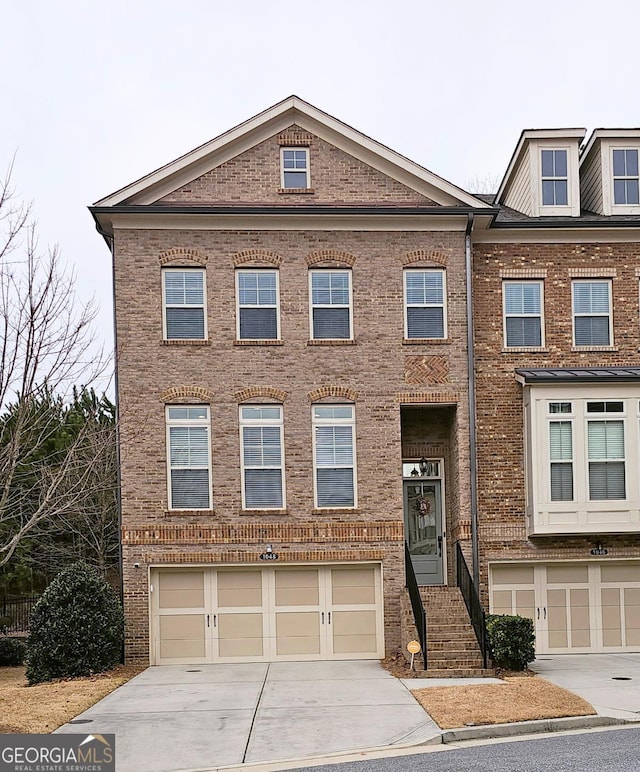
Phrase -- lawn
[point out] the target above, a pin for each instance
(515, 699)
(45, 707)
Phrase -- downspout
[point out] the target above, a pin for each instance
(110, 239)
(473, 457)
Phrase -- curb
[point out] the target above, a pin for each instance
(489, 731)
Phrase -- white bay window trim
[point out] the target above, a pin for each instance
(188, 457)
(262, 457)
(582, 448)
(334, 456)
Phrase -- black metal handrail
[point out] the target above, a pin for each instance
(419, 614)
(16, 612)
(472, 602)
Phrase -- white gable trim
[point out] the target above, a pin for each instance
(273, 120)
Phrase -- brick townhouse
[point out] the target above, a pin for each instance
(558, 390)
(295, 383)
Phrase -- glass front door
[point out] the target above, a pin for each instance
(423, 528)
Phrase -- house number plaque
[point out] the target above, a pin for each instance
(269, 556)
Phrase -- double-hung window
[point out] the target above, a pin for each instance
(258, 307)
(330, 293)
(262, 456)
(592, 313)
(189, 457)
(294, 163)
(334, 455)
(184, 304)
(425, 307)
(605, 450)
(625, 177)
(522, 313)
(554, 178)
(561, 420)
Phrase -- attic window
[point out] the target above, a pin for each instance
(554, 178)
(625, 177)
(295, 167)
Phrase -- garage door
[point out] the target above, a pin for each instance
(575, 607)
(244, 614)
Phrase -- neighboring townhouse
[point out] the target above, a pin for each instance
(292, 327)
(558, 390)
(295, 386)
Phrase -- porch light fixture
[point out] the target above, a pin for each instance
(414, 471)
(423, 466)
(269, 549)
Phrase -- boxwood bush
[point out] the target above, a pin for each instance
(12, 650)
(76, 629)
(512, 640)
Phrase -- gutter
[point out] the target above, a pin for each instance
(473, 456)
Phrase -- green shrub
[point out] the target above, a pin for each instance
(512, 640)
(76, 627)
(12, 651)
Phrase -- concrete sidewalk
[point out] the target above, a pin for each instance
(610, 682)
(203, 716)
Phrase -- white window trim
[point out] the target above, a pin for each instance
(277, 304)
(430, 305)
(206, 423)
(549, 208)
(581, 515)
(622, 208)
(571, 419)
(574, 314)
(313, 305)
(606, 158)
(528, 316)
(572, 207)
(176, 269)
(333, 422)
(279, 422)
(307, 169)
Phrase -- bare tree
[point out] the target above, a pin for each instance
(46, 346)
(483, 184)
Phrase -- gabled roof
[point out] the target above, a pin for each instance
(525, 137)
(597, 134)
(194, 164)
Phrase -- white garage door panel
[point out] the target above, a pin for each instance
(265, 614)
(576, 607)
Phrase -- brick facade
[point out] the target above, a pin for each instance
(501, 468)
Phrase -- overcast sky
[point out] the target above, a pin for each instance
(95, 95)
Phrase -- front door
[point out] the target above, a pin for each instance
(423, 528)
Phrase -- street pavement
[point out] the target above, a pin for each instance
(273, 716)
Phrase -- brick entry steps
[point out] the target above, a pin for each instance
(452, 648)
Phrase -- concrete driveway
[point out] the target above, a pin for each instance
(203, 716)
(610, 682)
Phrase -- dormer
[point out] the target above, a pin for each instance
(542, 177)
(609, 179)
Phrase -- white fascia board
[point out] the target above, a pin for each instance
(277, 118)
(523, 141)
(284, 222)
(558, 236)
(598, 134)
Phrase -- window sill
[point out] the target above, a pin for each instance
(334, 510)
(258, 342)
(577, 349)
(525, 350)
(188, 512)
(296, 191)
(185, 342)
(331, 342)
(263, 512)
(423, 341)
